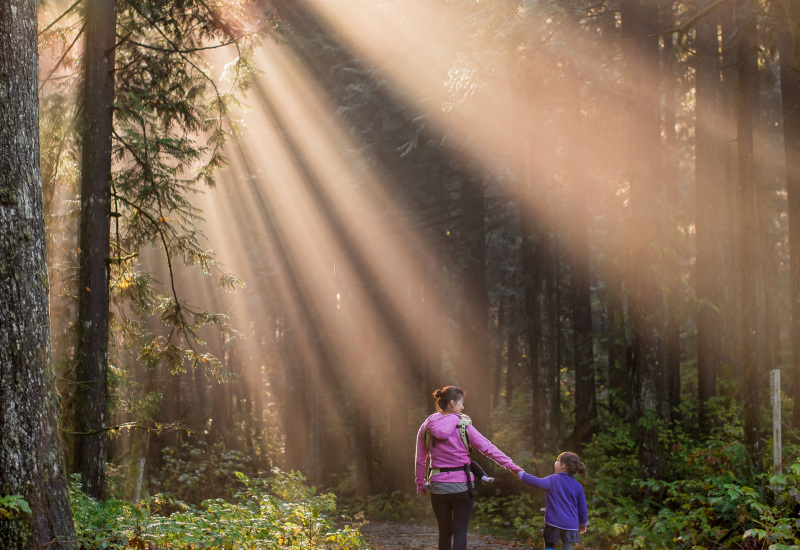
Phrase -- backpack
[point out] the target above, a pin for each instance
(463, 422)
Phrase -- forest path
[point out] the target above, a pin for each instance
(403, 535)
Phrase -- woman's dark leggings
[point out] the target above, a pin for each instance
(452, 514)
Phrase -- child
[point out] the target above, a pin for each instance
(565, 513)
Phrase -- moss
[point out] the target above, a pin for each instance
(44, 281)
(7, 196)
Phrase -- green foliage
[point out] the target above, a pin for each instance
(193, 474)
(13, 504)
(705, 500)
(397, 506)
(271, 513)
(520, 513)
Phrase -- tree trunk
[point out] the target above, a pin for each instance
(473, 326)
(512, 360)
(707, 199)
(790, 95)
(669, 183)
(730, 364)
(640, 21)
(751, 374)
(31, 456)
(585, 402)
(93, 292)
(536, 259)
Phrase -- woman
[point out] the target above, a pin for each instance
(451, 481)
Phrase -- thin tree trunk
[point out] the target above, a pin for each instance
(31, 456)
(730, 364)
(473, 325)
(512, 360)
(672, 343)
(640, 20)
(536, 260)
(790, 95)
(583, 346)
(502, 353)
(544, 370)
(751, 374)
(93, 292)
(707, 197)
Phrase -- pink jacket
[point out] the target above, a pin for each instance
(447, 450)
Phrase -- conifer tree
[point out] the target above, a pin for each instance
(31, 460)
(170, 123)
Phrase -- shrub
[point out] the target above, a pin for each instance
(279, 512)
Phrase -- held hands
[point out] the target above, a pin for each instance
(520, 474)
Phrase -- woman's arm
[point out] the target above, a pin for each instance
(421, 457)
(478, 441)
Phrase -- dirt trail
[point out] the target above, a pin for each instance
(398, 535)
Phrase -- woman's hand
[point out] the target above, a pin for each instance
(582, 529)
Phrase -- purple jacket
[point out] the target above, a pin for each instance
(565, 503)
(447, 450)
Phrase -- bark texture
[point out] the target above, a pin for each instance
(31, 460)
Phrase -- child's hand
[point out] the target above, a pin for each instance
(582, 529)
(520, 474)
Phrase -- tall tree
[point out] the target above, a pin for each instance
(640, 21)
(95, 232)
(707, 196)
(669, 183)
(31, 459)
(537, 259)
(751, 384)
(162, 94)
(473, 325)
(790, 98)
(583, 337)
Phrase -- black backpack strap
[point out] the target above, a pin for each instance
(470, 485)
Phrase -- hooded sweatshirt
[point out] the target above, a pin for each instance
(447, 450)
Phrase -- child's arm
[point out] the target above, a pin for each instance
(583, 513)
(540, 482)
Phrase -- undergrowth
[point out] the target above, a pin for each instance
(706, 499)
(279, 512)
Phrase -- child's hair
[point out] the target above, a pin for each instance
(445, 395)
(573, 464)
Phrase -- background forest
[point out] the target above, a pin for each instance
(274, 228)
